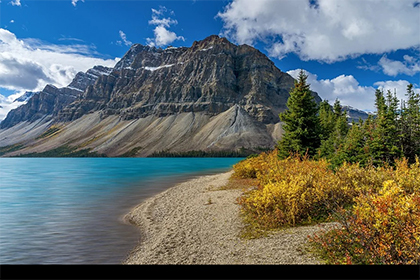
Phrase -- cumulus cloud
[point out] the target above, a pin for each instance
(324, 30)
(348, 90)
(399, 87)
(20, 73)
(30, 64)
(15, 3)
(9, 103)
(124, 39)
(410, 66)
(163, 36)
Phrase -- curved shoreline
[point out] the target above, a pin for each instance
(197, 223)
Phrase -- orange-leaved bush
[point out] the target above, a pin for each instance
(377, 207)
(382, 228)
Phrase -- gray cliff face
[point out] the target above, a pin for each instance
(47, 102)
(51, 99)
(213, 95)
(211, 76)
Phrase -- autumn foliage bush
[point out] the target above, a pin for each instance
(378, 207)
(291, 191)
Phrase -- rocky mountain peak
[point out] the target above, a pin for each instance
(210, 76)
(212, 95)
(210, 41)
(136, 50)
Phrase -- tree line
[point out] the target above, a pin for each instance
(242, 152)
(322, 131)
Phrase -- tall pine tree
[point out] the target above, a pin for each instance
(410, 123)
(327, 119)
(301, 122)
(353, 147)
(339, 128)
(384, 140)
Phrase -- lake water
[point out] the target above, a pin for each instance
(69, 210)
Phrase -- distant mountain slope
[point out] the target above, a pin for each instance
(214, 95)
(51, 99)
(353, 114)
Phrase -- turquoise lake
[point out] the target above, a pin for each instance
(69, 210)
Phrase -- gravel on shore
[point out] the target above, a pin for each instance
(197, 223)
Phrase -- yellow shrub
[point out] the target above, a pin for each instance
(383, 228)
(382, 224)
(408, 177)
(293, 191)
(298, 190)
(249, 168)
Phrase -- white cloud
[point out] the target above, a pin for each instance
(400, 87)
(65, 38)
(163, 36)
(15, 3)
(124, 39)
(348, 90)
(8, 103)
(30, 64)
(410, 66)
(325, 30)
(74, 2)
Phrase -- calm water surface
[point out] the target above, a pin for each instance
(69, 210)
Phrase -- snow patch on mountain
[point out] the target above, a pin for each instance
(157, 68)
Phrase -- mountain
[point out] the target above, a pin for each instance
(48, 102)
(211, 76)
(25, 97)
(212, 96)
(354, 114)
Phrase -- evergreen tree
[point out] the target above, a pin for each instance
(327, 119)
(353, 148)
(331, 145)
(341, 125)
(410, 125)
(301, 122)
(384, 140)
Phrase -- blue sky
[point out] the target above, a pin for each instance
(348, 47)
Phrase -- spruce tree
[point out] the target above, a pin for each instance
(331, 145)
(353, 148)
(410, 116)
(301, 122)
(384, 140)
(327, 119)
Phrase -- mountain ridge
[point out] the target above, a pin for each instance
(214, 95)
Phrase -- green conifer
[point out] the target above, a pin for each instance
(301, 122)
(410, 125)
(384, 140)
(353, 148)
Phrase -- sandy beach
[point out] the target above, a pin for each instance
(197, 223)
